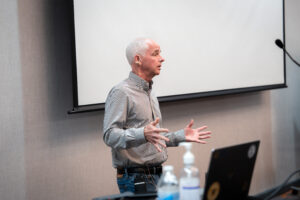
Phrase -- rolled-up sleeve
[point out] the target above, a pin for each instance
(114, 126)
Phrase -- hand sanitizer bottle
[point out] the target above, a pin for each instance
(189, 184)
(167, 186)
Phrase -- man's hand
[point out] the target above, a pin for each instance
(152, 134)
(196, 135)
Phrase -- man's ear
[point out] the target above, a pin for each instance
(138, 59)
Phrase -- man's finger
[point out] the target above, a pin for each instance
(204, 137)
(161, 130)
(201, 128)
(201, 141)
(157, 147)
(163, 138)
(162, 144)
(190, 124)
(154, 123)
(205, 133)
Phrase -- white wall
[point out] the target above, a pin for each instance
(51, 155)
(12, 172)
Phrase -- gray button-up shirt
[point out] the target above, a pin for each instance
(129, 107)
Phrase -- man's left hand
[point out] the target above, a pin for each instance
(196, 135)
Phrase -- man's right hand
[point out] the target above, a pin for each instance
(152, 134)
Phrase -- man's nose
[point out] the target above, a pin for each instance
(162, 59)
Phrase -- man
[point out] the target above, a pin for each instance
(132, 122)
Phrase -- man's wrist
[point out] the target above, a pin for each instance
(140, 136)
(181, 135)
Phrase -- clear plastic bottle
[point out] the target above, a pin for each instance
(167, 187)
(189, 177)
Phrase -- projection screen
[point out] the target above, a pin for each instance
(211, 47)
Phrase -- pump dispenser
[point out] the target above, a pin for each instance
(189, 186)
(188, 157)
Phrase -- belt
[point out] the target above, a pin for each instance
(145, 170)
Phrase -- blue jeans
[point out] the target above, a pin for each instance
(138, 183)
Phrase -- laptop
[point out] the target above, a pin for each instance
(230, 172)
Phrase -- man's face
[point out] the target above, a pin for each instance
(152, 60)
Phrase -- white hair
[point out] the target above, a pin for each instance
(137, 46)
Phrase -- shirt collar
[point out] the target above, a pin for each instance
(141, 83)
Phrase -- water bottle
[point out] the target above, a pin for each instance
(189, 177)
(167, 187)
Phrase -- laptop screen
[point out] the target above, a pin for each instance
(230, 172)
